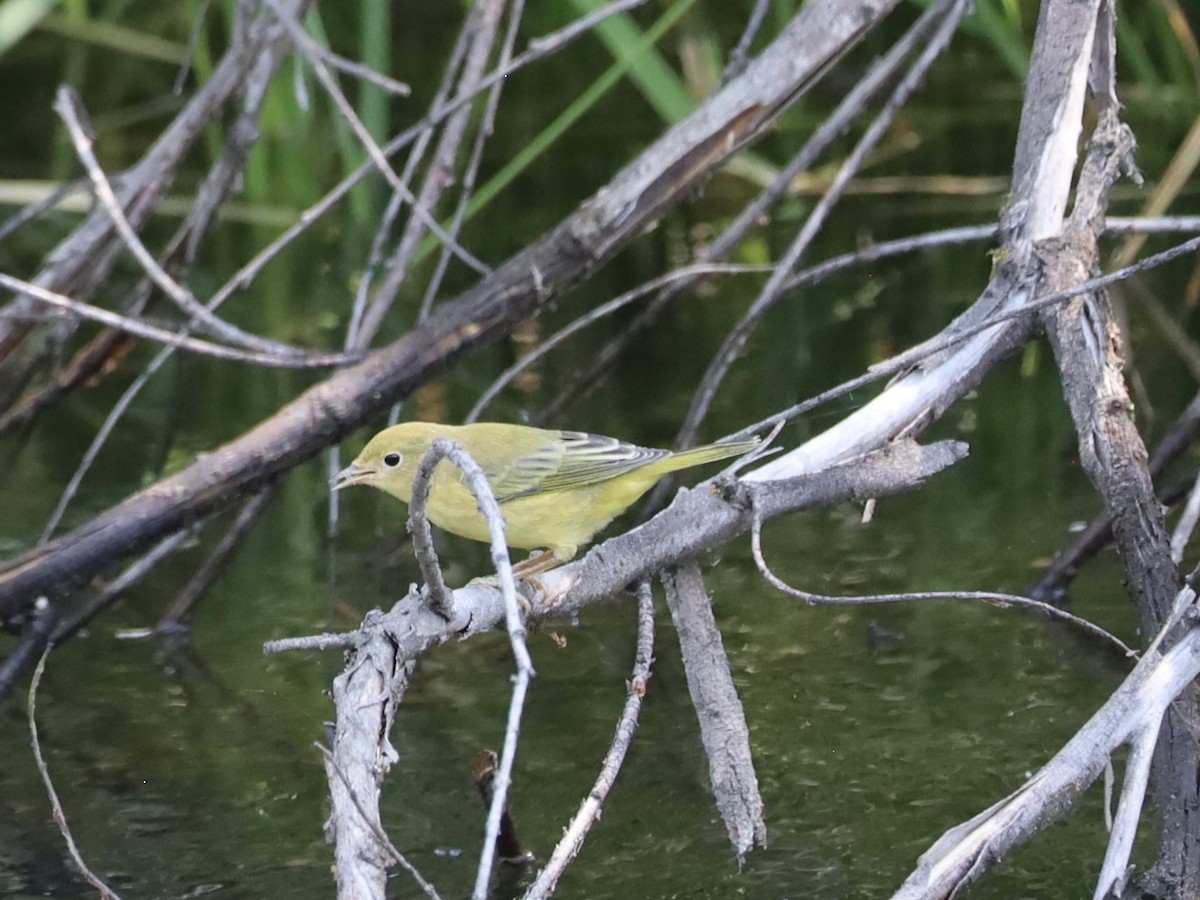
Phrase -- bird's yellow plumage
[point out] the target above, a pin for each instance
(556, 489)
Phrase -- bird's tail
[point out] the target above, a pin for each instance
(698, 456)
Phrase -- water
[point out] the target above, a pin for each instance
(191, 770)
(197, 768)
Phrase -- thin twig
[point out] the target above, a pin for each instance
(879, 76)
(35, 637)
(106, 428)
(373, 824)
(70, 109)
(310, 642)
(469, 175)
(594, 315)
(33, 210)
(576, 832)
(991, 598)
(130, 575)
(810, 276)
(418, 519)
(355, 336)
(773, 291)
(378, 155)
(556, 40)
(441, 598)
(479, 33)
(740, 54)
(904, 361)
(91, 361)
(213, 564)
(440, 112)
(503, 779)
(60, 816)
(194, 37)
(364, 72)
(172, 338)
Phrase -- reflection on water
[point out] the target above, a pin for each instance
(200, 766)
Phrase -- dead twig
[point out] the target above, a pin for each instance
(70, 109)
(992, 598)
(60, 815)
(949, 13)
(172, 338)
(589, 811)
(723, 728)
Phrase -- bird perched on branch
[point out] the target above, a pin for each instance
(556, 489)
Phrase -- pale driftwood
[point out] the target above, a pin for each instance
(1088, 346)
(1132, 715)
(1043, 172)
(1077, 39)
(366, 695)
(723, 728)
(943, 19)
(853, 105)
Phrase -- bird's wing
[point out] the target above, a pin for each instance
(572, 460)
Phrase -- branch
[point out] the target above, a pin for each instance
(707, 516)
(571, 842)
(366, 696)
(60, 816)
(738, 114)
(83, 261)
(70, 109)
(1132, 713)
(723, 728)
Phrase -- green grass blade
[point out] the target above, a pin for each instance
(552, 132)
(657, 81)
(19, 17)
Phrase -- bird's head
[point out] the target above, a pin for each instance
(390, 460)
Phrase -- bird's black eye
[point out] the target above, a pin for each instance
(392, 460)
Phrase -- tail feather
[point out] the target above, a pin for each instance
(698, 456)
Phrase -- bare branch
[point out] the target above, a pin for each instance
(372, 823)
(172, 338)
(723, 728)
(69, 108)
(949, 13)
(60, 816)
(571, 842)
(1131, 714)
(443, 605)
(523, 286)
(992, 598)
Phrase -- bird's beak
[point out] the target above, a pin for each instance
(352, 474)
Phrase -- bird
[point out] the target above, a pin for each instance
(555, 489)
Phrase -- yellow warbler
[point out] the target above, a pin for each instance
(556, 489)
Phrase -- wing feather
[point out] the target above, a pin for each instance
(574, 459)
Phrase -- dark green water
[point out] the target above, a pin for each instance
(192, 771)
